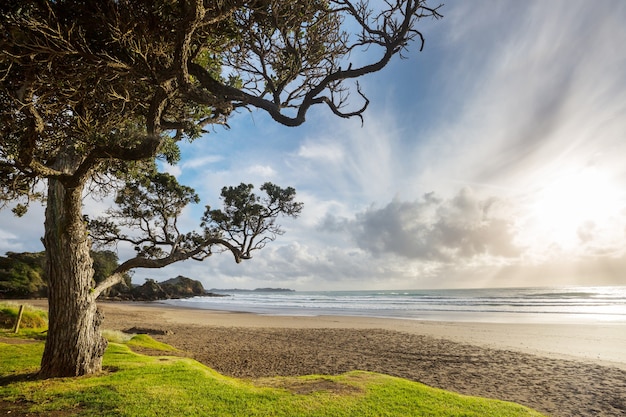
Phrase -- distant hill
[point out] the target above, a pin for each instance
(255, 290)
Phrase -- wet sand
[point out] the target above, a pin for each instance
(560, 370)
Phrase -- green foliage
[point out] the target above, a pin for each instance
(179, 287)
(182, 287)
(20, 210)
(104, 264)
(170, 151)
(137, 385)
(124, 81)
(22, 275)
(249, 219)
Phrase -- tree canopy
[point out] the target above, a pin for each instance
(94, 92)
(122, 80)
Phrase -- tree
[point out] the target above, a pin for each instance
(147, 215)
(93, 91)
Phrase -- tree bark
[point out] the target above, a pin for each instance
(74, 345)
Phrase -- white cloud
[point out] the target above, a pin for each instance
(433, 229)
(174, 170)
(532, 87)
(262, 171)
(326, 152)
(9, 242)
(22, 234)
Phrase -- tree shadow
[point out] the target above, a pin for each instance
(12, 379)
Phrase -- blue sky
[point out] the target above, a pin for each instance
(493, 158)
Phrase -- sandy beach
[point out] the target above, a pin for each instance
(561, 370)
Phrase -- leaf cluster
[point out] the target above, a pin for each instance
(248, 220)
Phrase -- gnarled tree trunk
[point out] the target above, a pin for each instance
(74, 345)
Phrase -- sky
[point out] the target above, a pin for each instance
(493, 158)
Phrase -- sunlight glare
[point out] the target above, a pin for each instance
(573, 202)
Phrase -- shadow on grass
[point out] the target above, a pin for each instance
(13, 379)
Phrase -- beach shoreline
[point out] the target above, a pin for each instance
(598, 343)
(558, 369)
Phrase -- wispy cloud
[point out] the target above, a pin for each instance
(328, 152)
(201, 162)
(534, 86)
(262, 171)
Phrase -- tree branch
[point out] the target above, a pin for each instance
(391, 30)
(177, 256)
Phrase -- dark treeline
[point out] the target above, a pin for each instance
(22, 275)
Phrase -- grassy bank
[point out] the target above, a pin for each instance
(139, 385)
(32, 317)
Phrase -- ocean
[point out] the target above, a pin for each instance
(497, 305)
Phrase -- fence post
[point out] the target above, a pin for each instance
(19, 319)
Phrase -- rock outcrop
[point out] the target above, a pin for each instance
(179, 287)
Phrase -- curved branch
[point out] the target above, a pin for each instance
(107, 283)
(194, 15)
(357, 113)
(233, 94)
(141, 262)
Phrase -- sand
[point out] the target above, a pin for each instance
(558, 369)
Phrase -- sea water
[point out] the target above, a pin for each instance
(546, 305)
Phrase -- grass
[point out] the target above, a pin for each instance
(143, 341)
(32, 317)
(116, 336)
(139, 385)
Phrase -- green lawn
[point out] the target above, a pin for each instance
(138, 385)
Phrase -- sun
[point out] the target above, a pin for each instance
(574, 206)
